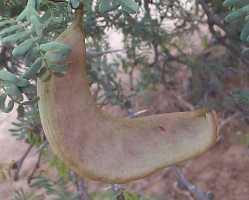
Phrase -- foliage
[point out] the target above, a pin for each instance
(22, 195)
(27, 127)
(239, 13)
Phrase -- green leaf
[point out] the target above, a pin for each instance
(23, 48)
(12, 78)
(33, 3)
(23, 14)
(16, 37)
(12, 91)
(56, 46)
(30, 90)
(245, 32)
(3, 107)
(36, 24)
(105, 6)
(127, 10)
(237, 14)
(130, 5)
(6, 22)
(56, 57)
(27, 12)
(235, 3)
(31, 55)
(75, 3)
(34, 69)
(42, 182)
(57, 68)
(9, 30)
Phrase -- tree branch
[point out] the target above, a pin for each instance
(118, 193)
(18, 164)
(228, 120)
(82, 190)
(212, 20)
(80, 186)
(185, 184)
(92, 53)
(36, 167)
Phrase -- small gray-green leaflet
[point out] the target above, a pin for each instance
(56, 53)
(240, 9)
(33, 69)
(12, 78)
(245, 32)
(58, 68)
(242, 12)
(107, 5)
(36, 24)
(12, 91)
(31, 55)
(130, 5)
(9, 30)
(6, 22)
(55, 57)
(57, 46)
(6, 107)
(235, 3)
(23, 48)
(19, 36)
(27, 12)
(75, 3)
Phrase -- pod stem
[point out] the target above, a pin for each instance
(78, 15)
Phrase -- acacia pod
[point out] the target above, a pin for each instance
(99, 146)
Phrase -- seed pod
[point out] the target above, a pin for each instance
(102, 147)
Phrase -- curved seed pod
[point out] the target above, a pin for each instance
(116, 150)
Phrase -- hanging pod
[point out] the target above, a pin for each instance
(101, 147)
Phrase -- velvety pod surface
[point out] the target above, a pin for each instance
(115, 150)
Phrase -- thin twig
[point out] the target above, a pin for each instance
(136, 114)
(80, 185)
(198, 194)
(212, 20)
(118, 193)
(212, 17)
(92, 53)
(228, 120)
(41, 147)
(18, 164)
(183, 102)
(83, 190)
(36, 167)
